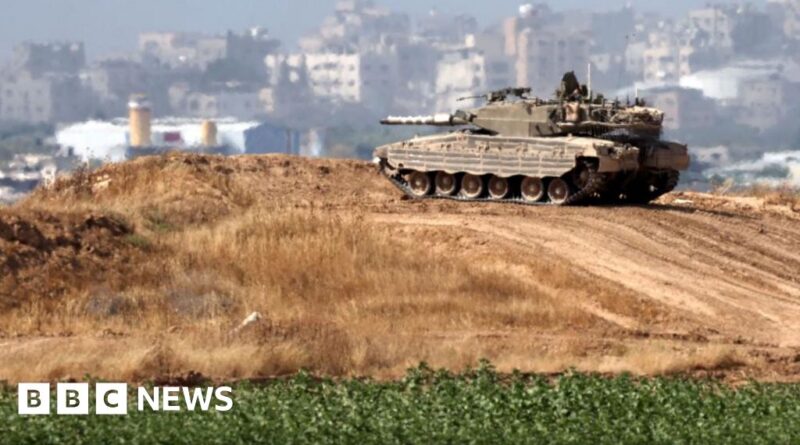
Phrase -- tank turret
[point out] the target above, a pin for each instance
(510, 112)
(569, 149)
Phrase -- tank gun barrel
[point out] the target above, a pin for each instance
(500, 95)
(437, 120)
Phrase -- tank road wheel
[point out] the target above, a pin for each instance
(558, 191)
(580, 177)
(532, 189)
(445, 184)
(471, 186)
(498, 187)
(420, 184)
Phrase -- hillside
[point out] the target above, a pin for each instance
(144, 269)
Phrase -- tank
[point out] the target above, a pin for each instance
(576, 148)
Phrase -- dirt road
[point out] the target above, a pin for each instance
(731, 272)
(726, 269)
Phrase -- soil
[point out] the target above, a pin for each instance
(721, 270)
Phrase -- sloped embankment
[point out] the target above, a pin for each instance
(160, 259)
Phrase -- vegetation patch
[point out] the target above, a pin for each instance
(429, 406)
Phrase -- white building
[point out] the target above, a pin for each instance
(354, 26)
(716, 23)
(225, 104)
(500, 68)
(285, 69)
(634, 59)
(49, 98)
(666, 63)
(335, 76)
(726, 83)
(183, 49)
(369, 78)
(108, 140)
(459, 74)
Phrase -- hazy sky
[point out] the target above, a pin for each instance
(109, 26)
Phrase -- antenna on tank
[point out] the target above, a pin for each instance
(589, 80)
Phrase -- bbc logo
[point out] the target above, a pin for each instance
(111, 399)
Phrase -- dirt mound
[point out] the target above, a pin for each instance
(352, 279)
(195, 189)
(41, 253)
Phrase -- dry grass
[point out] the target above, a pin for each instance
(656, 358)
(340, 293)
(784, 196)
(339, 296)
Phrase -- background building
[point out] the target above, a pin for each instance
(727, 74)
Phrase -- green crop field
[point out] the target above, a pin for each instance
(436, 407)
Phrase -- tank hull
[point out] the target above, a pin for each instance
(593, 169)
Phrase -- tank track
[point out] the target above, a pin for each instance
(593, 188)
(666, 185)
(672, 181)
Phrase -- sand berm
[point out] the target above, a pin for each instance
(143, 270)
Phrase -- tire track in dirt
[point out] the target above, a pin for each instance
(731, 273)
